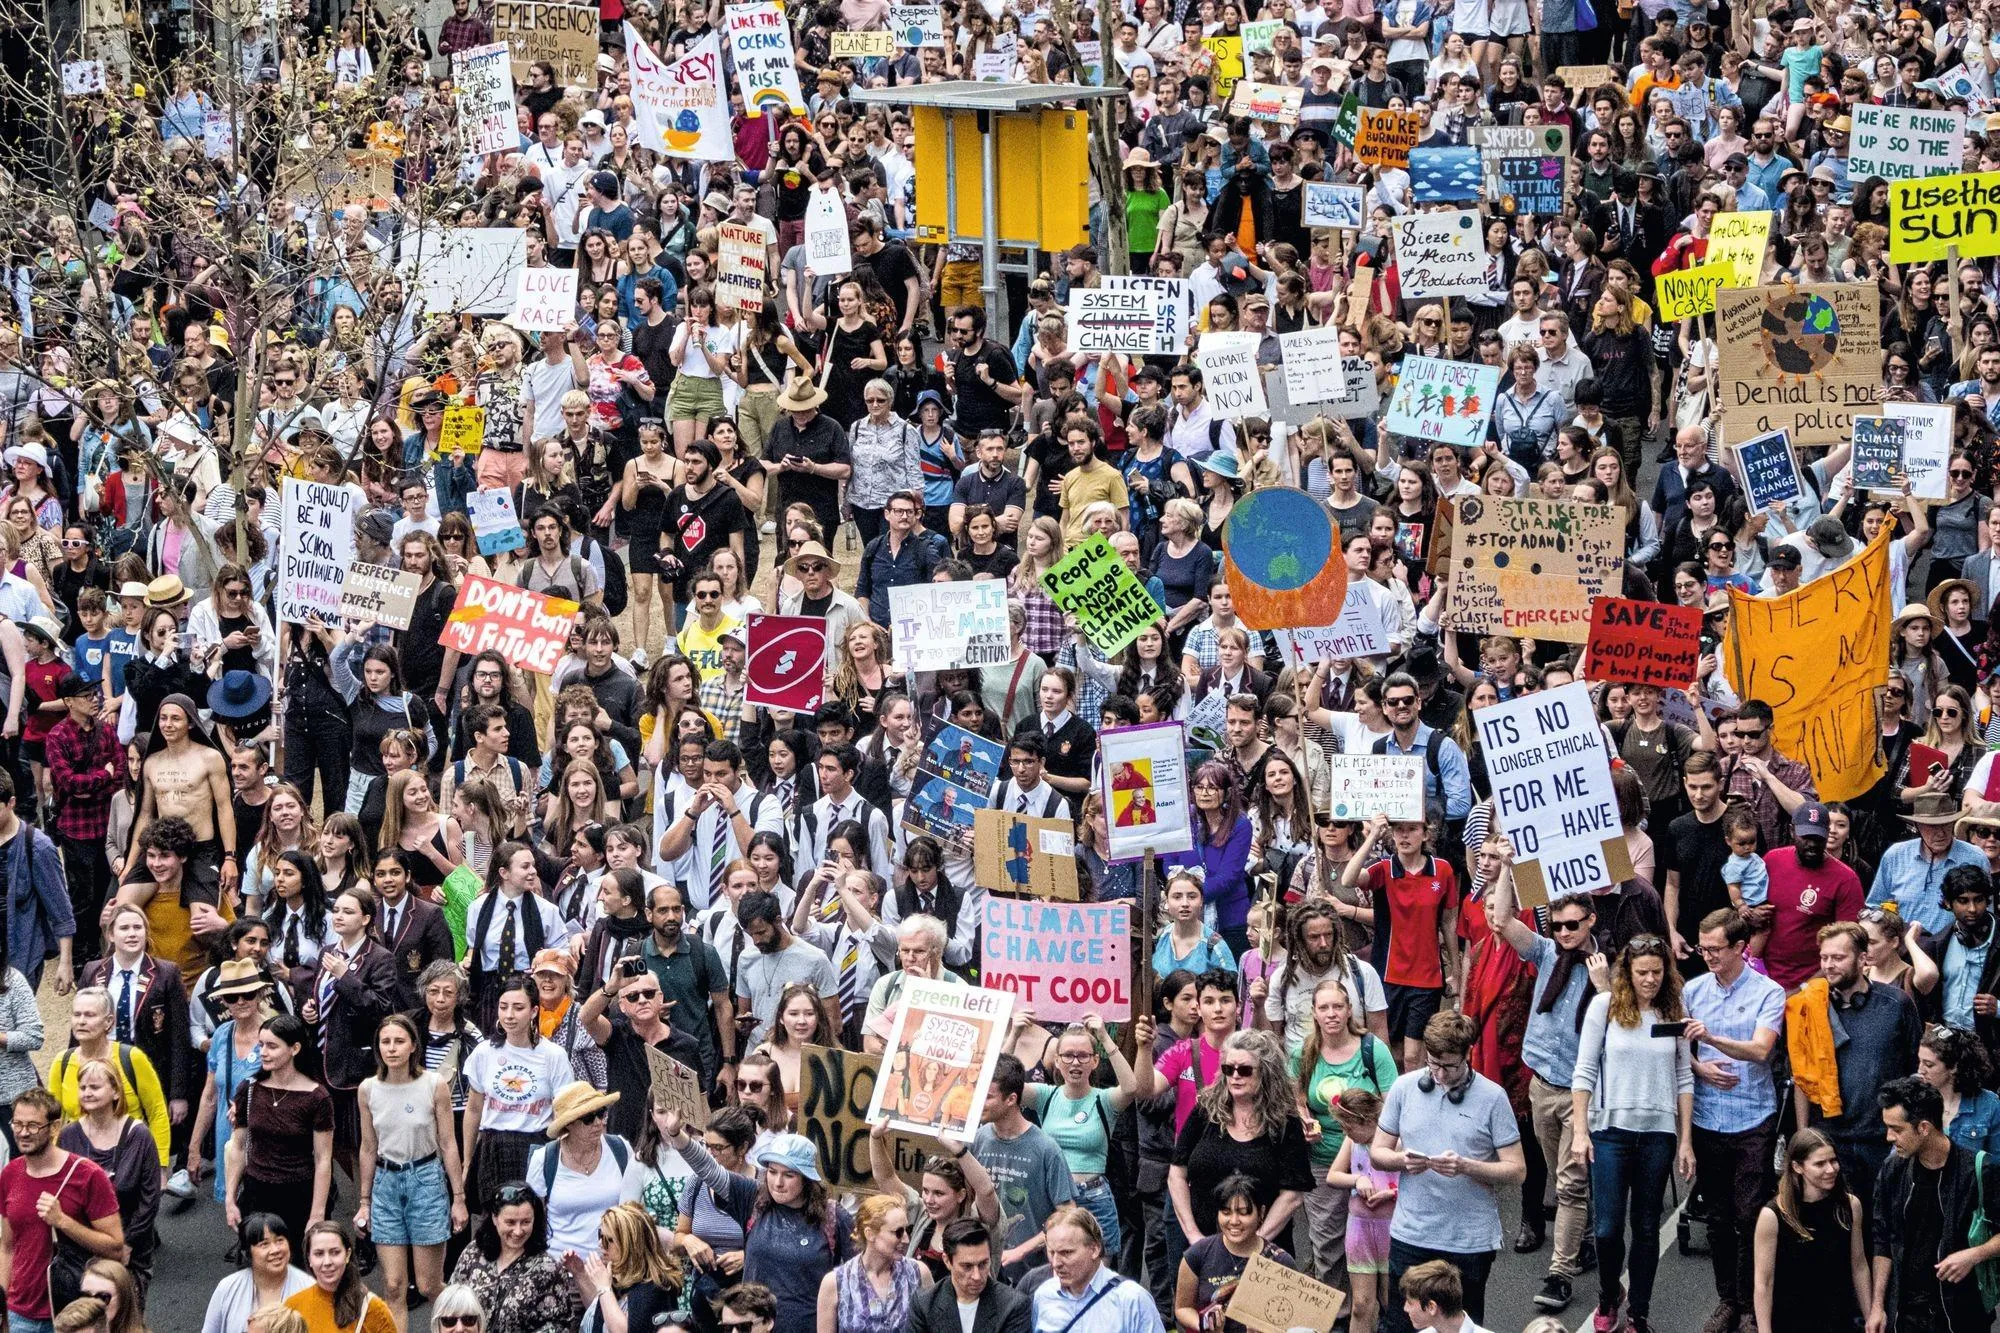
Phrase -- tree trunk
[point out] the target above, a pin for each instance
(1105, 163)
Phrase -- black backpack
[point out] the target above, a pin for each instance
(614, 583)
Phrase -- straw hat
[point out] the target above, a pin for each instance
(236, 978)
(573, 1102)
(801, 395)
(811, 551)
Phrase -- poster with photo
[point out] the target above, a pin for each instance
(939, 1059)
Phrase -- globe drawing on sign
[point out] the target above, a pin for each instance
(1280, 538)
(1799, 332)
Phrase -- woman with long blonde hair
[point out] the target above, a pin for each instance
(1246, 1120)
(799, 1021)
(288, 826)
(1041, 549)
(861, 674)
(412, 821)
(577, 800)
(632, 1283)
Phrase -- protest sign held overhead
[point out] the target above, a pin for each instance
(1093, 584)
(1230, 378)
(917, 26)
(1359, 394)
(741, 265)
(1526, 166)
(1878, 454)
(495, 526)
(1385, 138)
(954, 780)
(529, 630)
(1329, 205)
(1929, 217)
(315, 548)
(1143, 782)
(1123, 320)
(939, 626)
(1441, 254)
(545, 299)
(940, 1055)
(1443, 400)
(560, 34)
(1030, 855)
(787, 659)
(1272, 102)
(1446, 175)
(1738, 240)
(1905, 142)
(379, 594)
(760, 47)
(1687, 292)
(1312, 365)
(682, 108)
(483, 81)
(1281, 557)
(1532, 566)
(1927, 444)
(1643, 643)
(836, 1086)
(1802, 360)
(1063, 960)
(1172, 310)
(1552, 793)
(1361, 786)
(1359, 633)
(1769, 471)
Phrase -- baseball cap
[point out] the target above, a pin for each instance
(1809, 820)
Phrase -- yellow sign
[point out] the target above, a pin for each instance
(1227, 53)
(1738, 240)
(1928, 218)
(1816, 656)
(464, 430)
(1690, 291)
(1385, 138)
(860, 45)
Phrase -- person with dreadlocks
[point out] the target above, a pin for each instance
(1313, 952)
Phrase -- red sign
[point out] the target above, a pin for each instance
(1643, 643)
(528, 629)
(787, 666)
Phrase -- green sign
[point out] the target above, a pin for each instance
(1093, 585)
(1348, 121)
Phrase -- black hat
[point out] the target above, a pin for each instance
(1786, 557)
(74, 687)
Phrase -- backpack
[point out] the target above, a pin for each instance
(620, 1151)
(575, 572)
(60, 1073)
(614, 583)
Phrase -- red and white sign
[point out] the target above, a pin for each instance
(528, 629)
(681, 108)
(787, 663)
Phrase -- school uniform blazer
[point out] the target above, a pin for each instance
(422, 937)
(159, 1019)
(345, 1032)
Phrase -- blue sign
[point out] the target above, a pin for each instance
(1445, 175)
(1535, 184)
(1770, 475)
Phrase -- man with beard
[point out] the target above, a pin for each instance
(1690, 858)
(1913, 872)
(1809, 890)
(1961, 991)
(1312, 953)
(1920, 1222)
(1878, 1030)
(1774, 785)
(703, 515)
(781, 959)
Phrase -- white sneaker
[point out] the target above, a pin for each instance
(180, 1185)
(768, 528)
(639, 660)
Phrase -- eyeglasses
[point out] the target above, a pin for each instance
(1428, 319)
(1239, 1071)
(1712, 950)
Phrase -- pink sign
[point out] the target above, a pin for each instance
(1063, 960)
(528, 629)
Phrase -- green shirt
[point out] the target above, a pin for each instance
(1329, 1080)
(1078, 1128)
(1142, 219)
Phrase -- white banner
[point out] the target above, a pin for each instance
(1901, 143)
(545, 299)
(1552, 793)
(1441, 254)
(681, 109)
(483, 79)
(315, 548)
(942, 626)
(1143, 782)
(1229, 374)
(1365, 785)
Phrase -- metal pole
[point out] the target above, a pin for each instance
(989, 219)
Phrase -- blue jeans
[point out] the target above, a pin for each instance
(1104, 1208)
(1628, 1174)
(20, 1323)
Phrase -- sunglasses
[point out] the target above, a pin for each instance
(813, 567)
(1960, 474)
(506, 1195)
(1567, 926)
(1239, 1071)
(652, 994)
(1757, 735)
(739, 1323)
(72, 544)
(458, 1321)
(1399, 703)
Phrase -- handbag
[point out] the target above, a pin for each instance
(66, 1257)
(1586, 17)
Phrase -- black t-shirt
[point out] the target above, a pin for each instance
(979, 405)
(249, 820)
(702, 524)
(422, 654)
(1210, 1155)
(1697, 851)
(1053, 455)
(627, 1073)
(893, 269)
(653, 345)
(1214, 1268)
(972, 488)
(1917, 1303)
(237, 659)
(822, 441)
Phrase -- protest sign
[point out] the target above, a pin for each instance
(1172, 307)
(463, 270)
(1802, 360)
(1440, 254)
(1448, 175)
(1227, 55)
(786, 661)
(1738, 240)
(1532, 185)
(1312, 365)
(943, 626)
(1769, 472)
(681, 108)
(1333, 205)
(1687, 292)
(1063, 960)
(359, 176)
(940, 1054)
(1102, 320)
(1529, 566)
(1552, 793)
(1257, 36)
(1360, 394)
(1385, 138)
(1029, 855)
(827, 250)
(760, 47)
(1878, 454)
(218, 133)
(527, 628)
(1927, 440)
(1643, 643)
(941, 810)
(1271, 1298)
(315, 547)
(1904, 142)
(483, 81)
(917, 25)
(1143, 782)
(835, 1087)
(966, 759)
(81, 78)
(1347, 120)
(463, 432)
(1358, 633)
(678, 1088)
(545, 299)
(1443, 400)
(1929, 217)
(1274, 102)
(1281, 559)
(847, 45)
(1526, 166)
(1228, 364)
(379, 594)
(1093, 584)
(1365, 785)
(1816, 656)
(564, 35)
(993, 66)
(1586, 78)
(740, 267)
(495, 525)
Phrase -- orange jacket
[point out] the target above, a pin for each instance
(1809, 1038)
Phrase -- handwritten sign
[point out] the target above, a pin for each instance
(1385, 138)
(1226, 55)
(740, 267)
(1927, 443)
(1526, 166)
(1366, 785)
(1738, 240)
(1928, 218)
(827, 249)
(1312, 365)
(315, 548)
(760, 46)
(1271, 1298)
(1228, 364)
(845, 45)
(1093, 585)
(1904, 142)
(1274, 102)
(1531, 567)
(1064, 960)
(1172, 308)
(1127, 321)
(529, 630)
(1443, 400)
(483, 82)
(545, 299)
(563, 35)
(1257, 36)
(1586, 78)
(1803, 360)
(1327, 205)
(1359, 633)
(1878, 454)
(1441, 254)
(1643, 643)
(1552, 793)
(835, 1088)
(678, 1087)
(464, 430)
(1687, 292)
(1770, 473)
(917, 25)
(945, 626)
(495, 525)
(379, 594)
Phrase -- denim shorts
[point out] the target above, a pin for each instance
(410, 1207)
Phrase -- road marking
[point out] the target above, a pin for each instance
(1669, 1235)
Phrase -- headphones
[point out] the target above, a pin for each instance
(1456, 1096)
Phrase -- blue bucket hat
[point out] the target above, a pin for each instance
(794, 1152)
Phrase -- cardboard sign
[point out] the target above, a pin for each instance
(917, 26)
(679, 1088)
(846, 45)
(1257, 36)
(1447, 175)
(1226, 55)
(827, 251)
(680, 109)
(1384, 138)
(463, 432)
(1878, 454)
(545, 299)
(760, 47)
(1687, 292)
(1440, 254)
(1312, 365)
(1531, 567)
(1769, 472)
(1738, 240)
(564, 35)
(315, 548)
(495, 525)
(1092, 584)
(1802, 360)
(1359, 633)
(1228, 364)
(1929, 217)
(741, 261)
(1366, 785)
(1327, 205)
(529, 630)
(1586, 78)
(786, 665)
(939, 1058)
(835, 1088)
(1024, 854)
(1443, 400)
(1552, 793)
(1817, 655)
(1643, 643)
(380, 594)
(483, 82)
(1904, 142)
(81, 78)
(942, 626)
(1271, 1298)
(1062, 961)
(1143, 782)
(1274, 102)
(1927, 438)
(463, 270)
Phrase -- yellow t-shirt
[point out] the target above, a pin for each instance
(704, 648)
(1085, 486)
(317, 1307)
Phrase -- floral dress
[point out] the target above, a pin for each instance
(860, 1308)
(534, 1295)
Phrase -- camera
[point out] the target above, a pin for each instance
(631, 966)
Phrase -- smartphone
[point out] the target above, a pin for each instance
(1670, 1029)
